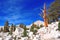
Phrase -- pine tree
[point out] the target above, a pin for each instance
(32, 28)
(59, 26)
(34, 32)
(21, 25)
(6, 27)
(25, 32)
(1, 29)
(41, 25)
(54, 11)
(12, 29)
(38, 27)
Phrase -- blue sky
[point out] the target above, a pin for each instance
(21, 11)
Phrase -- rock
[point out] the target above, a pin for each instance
(0, 38)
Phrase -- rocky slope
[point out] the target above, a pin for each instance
(48, 33)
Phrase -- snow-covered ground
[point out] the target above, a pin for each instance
(44, 33)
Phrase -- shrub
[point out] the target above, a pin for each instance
(59, 26)
(41, 25)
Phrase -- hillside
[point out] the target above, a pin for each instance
(48, 33)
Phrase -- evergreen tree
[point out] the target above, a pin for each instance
(41, 25)
(14, 27)
(54, 11)
(11, 29)
(25, 32)
(21, 25)
(34, 32)
(15, 38)
(1, 29)
(6, 27)
(32, 28)
(59, 26)
(38, 27)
